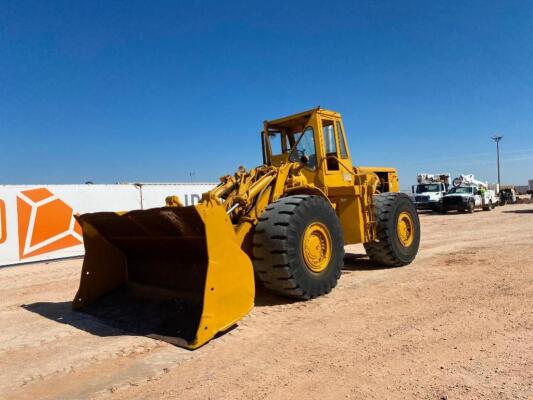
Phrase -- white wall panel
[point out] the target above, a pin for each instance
(37, 221)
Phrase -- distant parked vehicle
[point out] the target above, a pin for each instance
(468, 194)
(507, 195)
(430, 190)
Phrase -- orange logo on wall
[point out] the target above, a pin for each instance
(3, 228)
(45, 223)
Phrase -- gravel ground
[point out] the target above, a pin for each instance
(455, 324)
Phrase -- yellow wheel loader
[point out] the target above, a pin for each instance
(187, 273)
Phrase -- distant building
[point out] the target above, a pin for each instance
(521, 189)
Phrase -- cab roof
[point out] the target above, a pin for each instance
(302, 117)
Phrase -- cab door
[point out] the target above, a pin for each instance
(308, 147)
(337, 171)
(336, 165)
(478, 200)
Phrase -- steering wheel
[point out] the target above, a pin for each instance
(300, 153)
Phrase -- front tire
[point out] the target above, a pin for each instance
(471, 207)
(298, 247)
(398, 230)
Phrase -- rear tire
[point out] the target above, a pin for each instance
(438, 209)
(388, 249)
(282, 260)
(471, 207)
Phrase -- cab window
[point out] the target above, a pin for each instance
(330, 145)
(305, 149)
(342, 144)
(275, 139)
(329, 137)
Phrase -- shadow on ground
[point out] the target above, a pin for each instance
(62, 312)
(266, 298)
(519, 211)
(360, 262)
(450, 213)
(352, 262)
(117, 315)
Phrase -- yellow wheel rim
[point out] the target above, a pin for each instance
(316, 247)
(405, 229)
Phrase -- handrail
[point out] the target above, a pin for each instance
(341, 163)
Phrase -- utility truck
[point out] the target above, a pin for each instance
(429, 190)
(468, 194)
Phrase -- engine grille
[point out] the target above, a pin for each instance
(421, 198)
(453, 200)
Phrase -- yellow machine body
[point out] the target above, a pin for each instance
(198, 258)
(348, 188)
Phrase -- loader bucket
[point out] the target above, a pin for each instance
(176, 273)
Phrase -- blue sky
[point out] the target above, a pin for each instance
(149, 91)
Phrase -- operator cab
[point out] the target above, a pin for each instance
(314, 138)
(290, 139)
(281, 140)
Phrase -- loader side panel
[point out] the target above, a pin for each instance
(350, 212)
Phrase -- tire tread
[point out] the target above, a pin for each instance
(274, 247)
(382, 250)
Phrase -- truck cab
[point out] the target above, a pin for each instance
(429, 190)
(428, 196)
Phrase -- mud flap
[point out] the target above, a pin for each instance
(177, 273)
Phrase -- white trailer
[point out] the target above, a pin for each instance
(37, 222)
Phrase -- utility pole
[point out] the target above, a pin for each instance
(191, 174)
(497, 139)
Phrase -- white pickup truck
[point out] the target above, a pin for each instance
(468, 194)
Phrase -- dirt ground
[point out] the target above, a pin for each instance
(455, 324)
